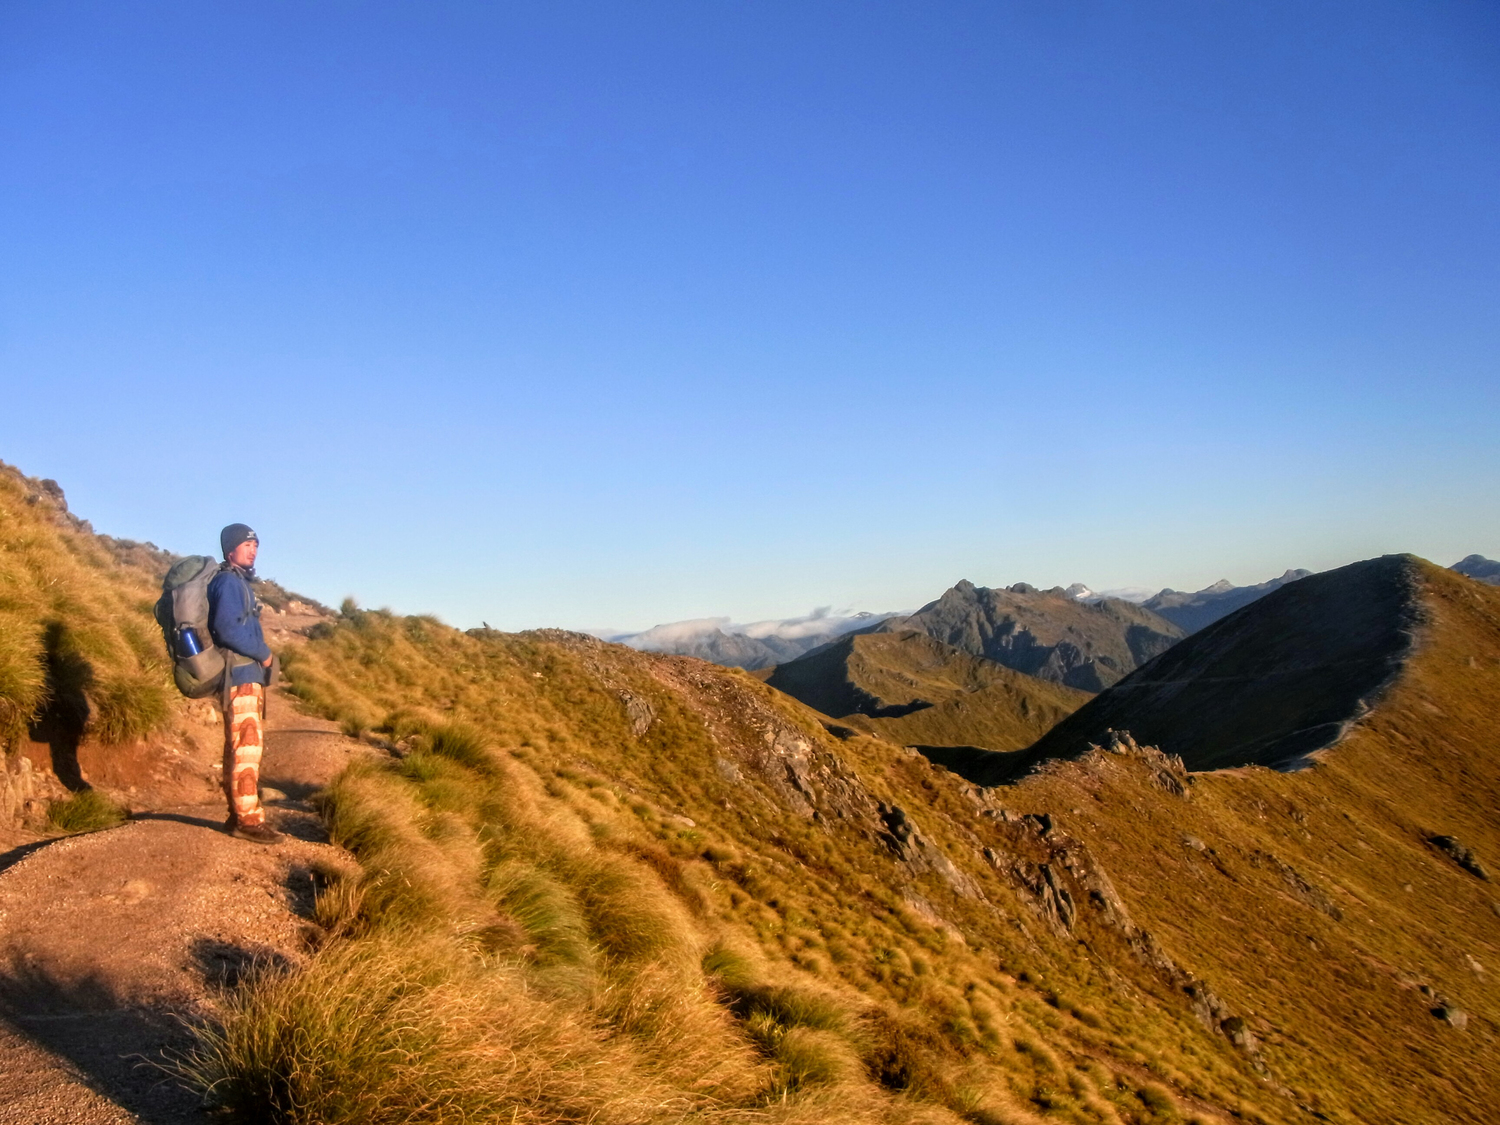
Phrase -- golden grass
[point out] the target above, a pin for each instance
(75, 626)
(404, 1027)
(742, 958)
(591, 887)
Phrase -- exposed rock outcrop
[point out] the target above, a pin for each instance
(1069, 890)
(1459, 854)
(920, 854)
(25, 791)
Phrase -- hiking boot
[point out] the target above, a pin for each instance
(255, 833)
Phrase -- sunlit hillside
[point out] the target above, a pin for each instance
(598, 885)
(684, 868)
(709, 905)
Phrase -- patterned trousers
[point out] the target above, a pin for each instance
(243, 740)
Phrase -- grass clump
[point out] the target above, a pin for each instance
(88, 810)
(130, 708)
(404, 1028)
(462, 743)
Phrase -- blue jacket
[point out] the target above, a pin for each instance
(234, 622)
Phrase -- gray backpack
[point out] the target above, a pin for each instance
(199, 667)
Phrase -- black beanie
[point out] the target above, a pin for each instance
(235, 534)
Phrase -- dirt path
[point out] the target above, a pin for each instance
(109, 940)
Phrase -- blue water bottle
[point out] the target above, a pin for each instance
(187, 641)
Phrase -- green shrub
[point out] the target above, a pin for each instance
(85, 811)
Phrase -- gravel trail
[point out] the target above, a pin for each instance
(111, 942)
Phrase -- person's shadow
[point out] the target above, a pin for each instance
(117, 1047)
(62, 721)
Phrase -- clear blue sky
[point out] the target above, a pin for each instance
(611, 314)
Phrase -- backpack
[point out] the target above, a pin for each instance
(199, 667)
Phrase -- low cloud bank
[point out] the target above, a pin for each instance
(821, 622)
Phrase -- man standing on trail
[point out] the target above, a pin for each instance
(234, 622)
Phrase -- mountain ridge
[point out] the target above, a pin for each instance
(1044, 633)
(1197, 610)
(761, 645)
(1272, 683)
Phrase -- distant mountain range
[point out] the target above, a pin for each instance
(1477, 566)
(1191, 612)
(763, 644)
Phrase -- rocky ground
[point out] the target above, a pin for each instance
(111, 943)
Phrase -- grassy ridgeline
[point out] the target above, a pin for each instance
(572, 905)
(78, 646)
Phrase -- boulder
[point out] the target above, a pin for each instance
(1459, 854)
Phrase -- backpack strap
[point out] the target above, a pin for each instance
(226, 684)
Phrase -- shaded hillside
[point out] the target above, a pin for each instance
(1193, 611)
(1479, 567)
(1045, 633)
(1347, 914)
(1271, 683)
(912, 689)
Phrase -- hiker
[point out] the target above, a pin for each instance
(234, 623)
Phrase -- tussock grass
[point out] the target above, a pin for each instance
(130, 707)
(413, 872)
(88, 810)
(462, 743)
(404, 1028)
(721, 954)
(77, 639)
(457, 894)
(553, 920)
